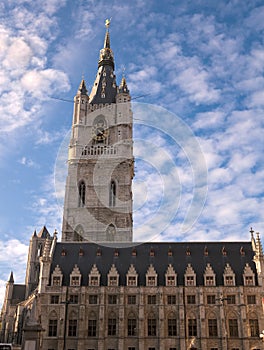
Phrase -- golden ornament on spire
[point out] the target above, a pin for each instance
(107, 23)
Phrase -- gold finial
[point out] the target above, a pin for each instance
(107, 22)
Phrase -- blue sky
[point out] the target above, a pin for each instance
(201, 61)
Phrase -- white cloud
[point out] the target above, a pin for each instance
(13, 257)
(44, 83)
(17, 56)
(209, 120)
(28, 162)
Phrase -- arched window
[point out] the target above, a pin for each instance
(81, 190)
(72, 325)
(53, 324)
(112, 194)
(110, 232)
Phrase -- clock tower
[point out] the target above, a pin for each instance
(98, 195)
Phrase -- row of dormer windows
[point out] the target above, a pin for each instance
(151, 277)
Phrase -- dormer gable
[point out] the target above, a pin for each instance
(56, 277)
(209, 276)
(229, 276)
(75, 277)
(170, 276)
(190, 276)
(132, 276)
(94, 276)
(113, 276)
(248, 276)
(151, 276)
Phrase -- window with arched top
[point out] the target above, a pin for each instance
(53, 324)
(110, 232)
(112, 194)
(172, 325)
(72, 325)
(92, 325)
(81, 190)
(131, 325)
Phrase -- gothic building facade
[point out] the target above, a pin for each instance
(96, 289)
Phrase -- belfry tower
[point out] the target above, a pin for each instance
(98, 195)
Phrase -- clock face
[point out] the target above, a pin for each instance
(99, 131)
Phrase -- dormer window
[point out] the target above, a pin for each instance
(171, 281)
(170, 252)
(75, 281)
(190, 276)
(209, 276)
(170, 276)
(151, 281)
(94, 277)
(131, 281)
(113, 276)
(112, 281)
(56, 277)
(248, 276)
(75, 277)
(249, 281)
(209, 281)
(189, 280)
(151, 277)
(56, 281)
(229, 280)
(132, 276)
(94, 281)
(229, 276)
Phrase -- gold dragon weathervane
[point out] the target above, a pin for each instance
(107, 23)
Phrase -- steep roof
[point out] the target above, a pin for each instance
(18, 293)
(44, 233)
(218, 254)
(104, 89)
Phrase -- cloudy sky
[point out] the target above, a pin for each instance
(196, 65)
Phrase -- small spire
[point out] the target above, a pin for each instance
(34, 234)
(258, 244)
(106, 54)
(107, 35)
(11, 278)
(82, 88)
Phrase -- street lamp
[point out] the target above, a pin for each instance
(262, 335)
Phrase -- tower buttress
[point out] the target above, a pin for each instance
(258, 257)
(98, 195)
(8, 294)
(35, 251)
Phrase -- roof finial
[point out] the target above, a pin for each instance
(107, 23)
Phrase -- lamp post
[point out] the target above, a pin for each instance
(66, 302)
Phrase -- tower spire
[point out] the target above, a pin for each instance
(104, 89)
(106, 54)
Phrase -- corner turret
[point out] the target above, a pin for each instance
(36, 247)
(258, 257)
